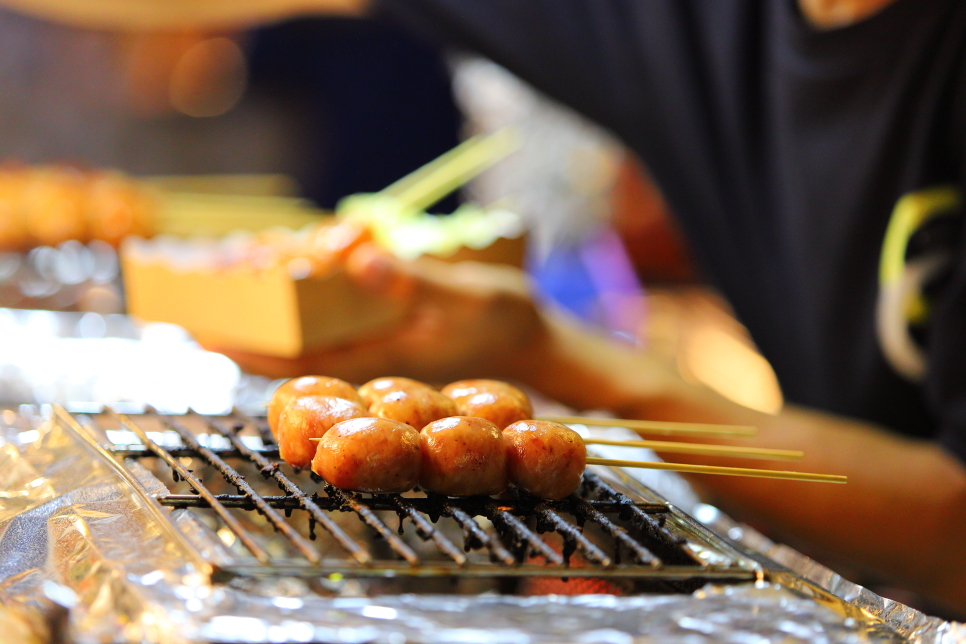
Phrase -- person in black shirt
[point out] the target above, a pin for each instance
(800, 144)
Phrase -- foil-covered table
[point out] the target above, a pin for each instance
(67, 517)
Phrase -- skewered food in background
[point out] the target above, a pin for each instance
(546, 459)
(48, 205)
(304, 302)
(463, 456)
(498, 402)
(416, 406)
(307, 386)
(369, 455)
(309, 417)
(315, 250)
(292, 288)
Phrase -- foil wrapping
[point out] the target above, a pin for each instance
(67, 517)
(910, 623)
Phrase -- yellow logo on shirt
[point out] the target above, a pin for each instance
(901, 301)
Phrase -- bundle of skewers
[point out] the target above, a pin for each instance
(473, 437)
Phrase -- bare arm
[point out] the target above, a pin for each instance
(149, 15)
(901, 519)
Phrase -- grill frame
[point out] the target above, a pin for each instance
(503, 514)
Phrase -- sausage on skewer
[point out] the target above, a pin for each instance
(369, 455)
(374, 390)
(406, 401)
(310, 417)
(546, 459)
(307, 386)
(463, 456)
(498, 402)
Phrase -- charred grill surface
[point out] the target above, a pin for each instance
(598, 532)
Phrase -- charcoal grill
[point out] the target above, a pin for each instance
(600, 532)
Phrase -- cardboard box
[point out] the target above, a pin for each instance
(504, 250)
(260, 311)
(268, 311)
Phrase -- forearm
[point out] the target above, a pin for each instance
(573, 365)
(901, 517)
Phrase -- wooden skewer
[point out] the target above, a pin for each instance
(706, 450)
(714, 469)
(432, 182)
(656, 427)
(696, 448)
(719, 469)
(419, 175)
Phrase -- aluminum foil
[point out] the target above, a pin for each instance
(910, 623)
(58, 357)
(68, 517)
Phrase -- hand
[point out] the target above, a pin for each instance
(463, 320)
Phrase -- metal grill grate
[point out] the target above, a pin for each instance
(598, 532)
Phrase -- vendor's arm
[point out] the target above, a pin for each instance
(901, 518)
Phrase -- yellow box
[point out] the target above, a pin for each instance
(260, 311)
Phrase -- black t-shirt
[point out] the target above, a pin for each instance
(783, 150)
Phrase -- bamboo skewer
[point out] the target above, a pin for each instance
(720, 469)
(657, 427)
(435, 180)
(217, 213)
(714, 469)
(673, 447)
(420, 174)
(764, 453)
(697, 448)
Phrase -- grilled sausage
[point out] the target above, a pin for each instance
(463, 456)
(545, 459)
(417, 407)
(369, 455)
(311, 417)
(496, 401)
(374, 390)
(307, 386)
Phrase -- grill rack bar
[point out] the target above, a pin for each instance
(351, 500)
(573, 538)
(385, 502)
(668, 545)
(344, 499)
(428, 570)
(195, 483)
(236, 479)
(425, 529)
(640, 554)
(670, 558)
(271, 469)
(475, 536)
(139, 451)
(523, 534)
